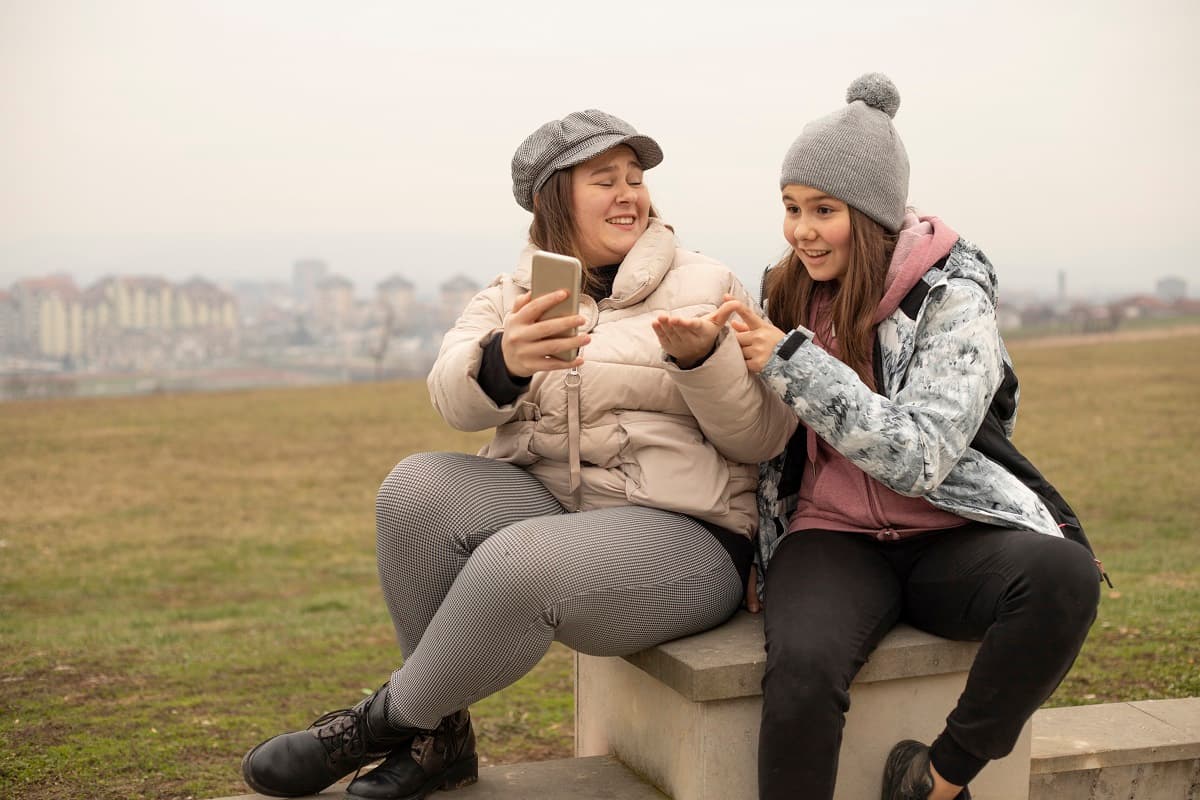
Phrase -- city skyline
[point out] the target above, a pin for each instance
(379, 138)
(137, 333)
(1057, 285)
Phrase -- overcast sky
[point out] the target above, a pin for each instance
(230, 137)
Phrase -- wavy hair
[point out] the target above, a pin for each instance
(794, 298)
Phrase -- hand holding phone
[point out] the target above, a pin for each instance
(551, 272)
(541, 333)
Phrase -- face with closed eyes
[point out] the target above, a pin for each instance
(610, 205)
(817, 227)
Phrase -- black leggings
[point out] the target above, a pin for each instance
(831, 596)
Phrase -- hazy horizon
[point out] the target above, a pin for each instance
(368, 259)
(229, 139)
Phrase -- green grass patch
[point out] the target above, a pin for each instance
(1114, 426)
(184, 575)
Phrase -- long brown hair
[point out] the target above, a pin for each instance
(553, 226)
(792, 295)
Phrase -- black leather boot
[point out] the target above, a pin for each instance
(336, 744)
(907, 774)
(442, 759)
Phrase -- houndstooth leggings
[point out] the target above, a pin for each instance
(482, 569)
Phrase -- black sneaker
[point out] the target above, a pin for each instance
(908, 775)
(336, 744)
(442, 759)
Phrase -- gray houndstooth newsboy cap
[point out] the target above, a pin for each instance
(855, 154)
(565, 142)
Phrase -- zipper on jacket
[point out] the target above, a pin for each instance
(573, 382)
(885, 532)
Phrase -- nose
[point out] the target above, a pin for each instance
(627, 194)
(803, 230)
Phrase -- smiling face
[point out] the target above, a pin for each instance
(610, 205)
(817, 227)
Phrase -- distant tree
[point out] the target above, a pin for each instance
(385, 336)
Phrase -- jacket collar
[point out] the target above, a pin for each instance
(641, 271)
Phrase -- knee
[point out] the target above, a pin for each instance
(411, 488)
(1078, 582)
(1064, 578)
(411, 472)
(805, 680)
(396, 498)
(414, 503)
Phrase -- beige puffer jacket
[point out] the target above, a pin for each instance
(649, 433)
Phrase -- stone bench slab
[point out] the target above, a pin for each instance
(728, 661)
(597, 778)
(685, 714)
(1115, 734)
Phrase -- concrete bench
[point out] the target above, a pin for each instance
(705, 738)
(685, 714)
(1147, 750)
(599, 778)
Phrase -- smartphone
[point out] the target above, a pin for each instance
(551, 272)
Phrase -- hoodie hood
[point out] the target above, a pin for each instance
(922, 242)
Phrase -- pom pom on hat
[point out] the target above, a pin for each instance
(876, 90)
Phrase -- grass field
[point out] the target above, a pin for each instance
(181, 576)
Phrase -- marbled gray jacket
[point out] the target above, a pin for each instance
(939, 367)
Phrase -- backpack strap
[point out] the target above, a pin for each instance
(912, 302)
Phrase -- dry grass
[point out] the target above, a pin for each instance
(184, 575)
(181, 576)
(1115, 427)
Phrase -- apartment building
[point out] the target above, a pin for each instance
(122, 322)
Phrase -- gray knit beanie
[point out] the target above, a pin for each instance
(854, 153)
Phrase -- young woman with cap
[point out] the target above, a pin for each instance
(901, 496)
(481, 564)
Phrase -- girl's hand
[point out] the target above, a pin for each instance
(687, 339)
(529, 341)
(757, 337)
(752, 602)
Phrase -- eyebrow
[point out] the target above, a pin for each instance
(613, 167)
(816, 199)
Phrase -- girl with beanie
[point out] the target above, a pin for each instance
(901, 496)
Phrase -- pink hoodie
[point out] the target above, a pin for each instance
(836, 495)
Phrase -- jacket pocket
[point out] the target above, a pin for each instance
(511, 440)
(668, 464)
(528, 412)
